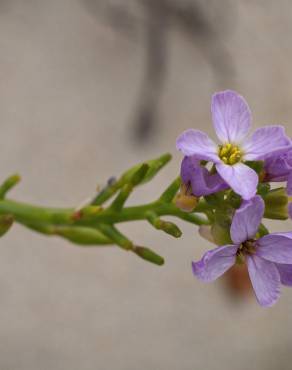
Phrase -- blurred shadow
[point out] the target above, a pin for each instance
(156, 18)
(5, 5)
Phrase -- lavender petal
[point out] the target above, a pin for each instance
(285, 271)
(289, 184)
(276, 247)
(215, 262)
(265, 279)
(231, 116)
(202, 182)
(278, 167)
(247, 219)
(241, 178)
(195, 142)
(290, 210)
(264, 141)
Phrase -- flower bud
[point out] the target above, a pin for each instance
(185, 200)
(205, 232)
(148, 255)
(276, 202)
(168, 227)
(221, 232)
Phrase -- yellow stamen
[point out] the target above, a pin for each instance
(230, 154)
(234, 158)
(225, 149)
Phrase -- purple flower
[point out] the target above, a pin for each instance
(269, 259)
(278, 167)
(289, 192)
(201, 181)
(232, 121)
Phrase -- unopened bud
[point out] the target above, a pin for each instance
(276, 202)
(148, 255)
(185, 200)
(206, 233)
(171, 229)
(221, 233)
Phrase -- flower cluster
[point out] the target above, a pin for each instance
(233, 179)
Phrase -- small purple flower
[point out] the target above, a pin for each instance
(269, 259)
(278, 167)
(201, 181)
(232, 121)
(289, 192)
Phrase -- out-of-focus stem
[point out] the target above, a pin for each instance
(8, 184)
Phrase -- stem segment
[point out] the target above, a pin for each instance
(95, 224)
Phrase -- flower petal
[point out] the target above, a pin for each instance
(231, 116)
(289, 185)
(215, 262)
(278, 167)
(275, 247)
(285, 272)
(290, 210)
(202, 182)
(241, 178)
(195, 142)
(264, 141)
(247, 219)
(289, 192)
(265, 279)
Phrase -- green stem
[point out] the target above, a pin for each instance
(170, 192)
(76, 234)
(25, 213)
(95, 224)
(130, 176)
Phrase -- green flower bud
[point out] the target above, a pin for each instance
(221, 232)
(148, 255)
(276, 202)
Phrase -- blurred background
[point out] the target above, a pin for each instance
(87, 89)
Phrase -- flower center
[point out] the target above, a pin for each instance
(246, 248)
(230, 153)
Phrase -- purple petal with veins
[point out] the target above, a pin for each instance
(231, 116)
(247, 219)
(202, 182)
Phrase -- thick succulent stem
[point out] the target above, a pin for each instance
(96, 224)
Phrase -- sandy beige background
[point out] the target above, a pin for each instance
(68, 87)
